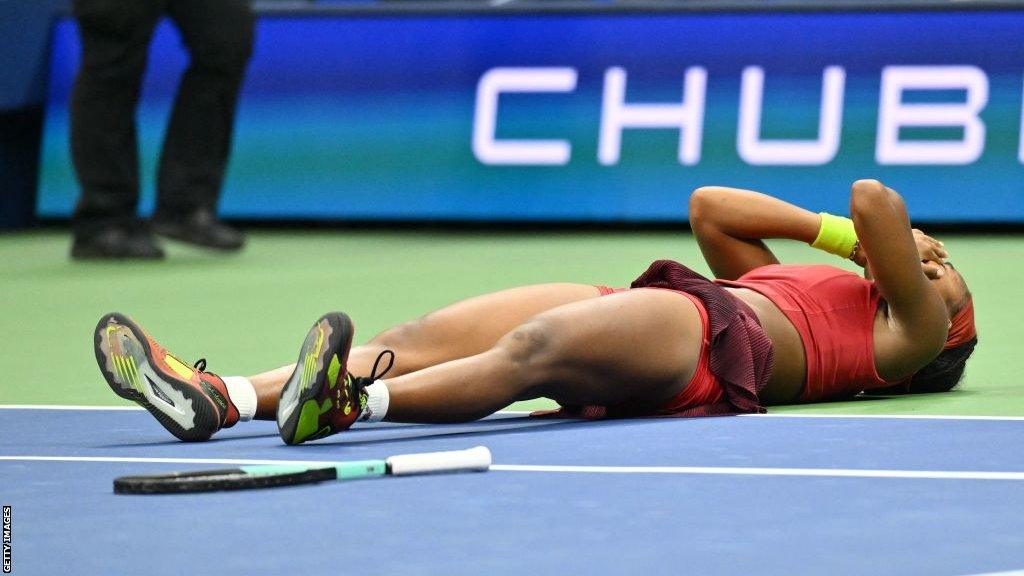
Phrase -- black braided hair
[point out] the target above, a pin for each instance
(945, 372)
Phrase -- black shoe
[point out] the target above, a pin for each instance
(117, 242)
(200, 227)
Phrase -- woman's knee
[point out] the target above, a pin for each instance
(532, 346)
(405, 336)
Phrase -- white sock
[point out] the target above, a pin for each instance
(377, 400)
(243, 395)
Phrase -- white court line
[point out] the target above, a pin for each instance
(886, 416)
(76, 407)
(64, 407)
(525, 412)
(741, 471)
(1007, 573)
(733, 471)
(139, 460)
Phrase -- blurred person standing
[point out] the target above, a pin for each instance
(115, 37)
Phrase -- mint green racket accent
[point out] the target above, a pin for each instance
(360, 469)
(344, 470)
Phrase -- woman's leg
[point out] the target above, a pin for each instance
(637, 346)
(462, 329)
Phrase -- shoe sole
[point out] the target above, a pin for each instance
(194, 241)
(298, 410)
(126, 360)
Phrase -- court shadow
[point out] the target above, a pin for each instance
(267, 429)
(377, 435)
(869, 397)
(172, 441)
(182, 258)
(955, 393)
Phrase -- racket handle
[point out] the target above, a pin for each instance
(474, 459)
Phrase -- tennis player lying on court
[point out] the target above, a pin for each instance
(674, 344)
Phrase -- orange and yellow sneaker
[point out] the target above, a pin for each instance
(321, 398)
(190, 402)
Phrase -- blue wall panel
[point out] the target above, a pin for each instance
(372, 116)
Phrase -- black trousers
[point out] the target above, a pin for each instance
(115, 37)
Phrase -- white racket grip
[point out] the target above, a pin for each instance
(472, 460)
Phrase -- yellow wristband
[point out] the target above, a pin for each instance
(836, 236)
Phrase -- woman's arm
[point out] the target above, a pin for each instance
(919, 315)
(931, 251)
(730, 223)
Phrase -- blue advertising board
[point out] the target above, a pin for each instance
(597, 116)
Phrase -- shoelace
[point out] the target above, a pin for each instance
(363, 381)
(374, 376)
(200, 367)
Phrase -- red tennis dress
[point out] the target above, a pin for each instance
(736, 355)
(834, 312)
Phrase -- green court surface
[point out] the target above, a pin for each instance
(249, 312)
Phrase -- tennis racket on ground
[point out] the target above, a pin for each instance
(272, 475)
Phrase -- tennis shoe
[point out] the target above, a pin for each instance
(321, 397)
(189, 402)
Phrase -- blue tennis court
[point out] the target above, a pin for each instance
(751, 494)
